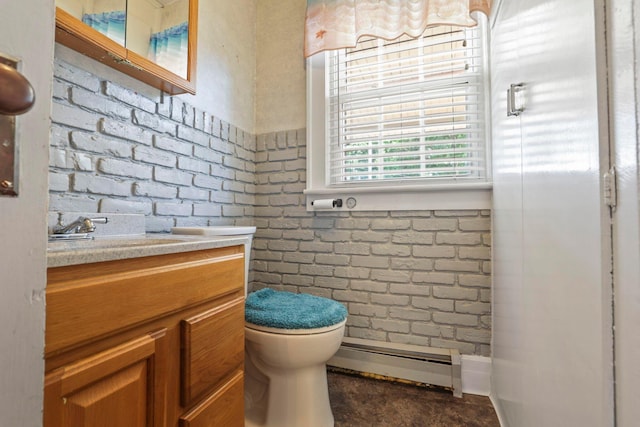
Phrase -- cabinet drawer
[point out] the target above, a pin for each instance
(225, 407)
(212, 348)
(89, 301)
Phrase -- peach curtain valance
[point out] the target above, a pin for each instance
(336, 24)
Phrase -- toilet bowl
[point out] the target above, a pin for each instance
(288, 340)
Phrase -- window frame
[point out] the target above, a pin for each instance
(390, 196)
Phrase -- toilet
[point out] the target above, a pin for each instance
(288, 340)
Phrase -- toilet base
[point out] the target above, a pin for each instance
(287, 400)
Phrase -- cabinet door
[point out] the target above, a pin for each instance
(121, 386)
(152, 41)
(551, 250)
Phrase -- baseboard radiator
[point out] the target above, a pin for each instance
(423, 365)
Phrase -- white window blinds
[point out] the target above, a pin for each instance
(408, 109)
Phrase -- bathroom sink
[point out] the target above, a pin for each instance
(109, 242)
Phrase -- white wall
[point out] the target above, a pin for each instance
(281, 88)
(552, 345)
(24, 25)
(227, 61)
(624, 36)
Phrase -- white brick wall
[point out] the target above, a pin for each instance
(113, 150)
(419, 277)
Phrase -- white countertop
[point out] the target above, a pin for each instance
(109, 248)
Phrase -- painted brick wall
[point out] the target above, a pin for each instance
(419, 278)
(113, 150)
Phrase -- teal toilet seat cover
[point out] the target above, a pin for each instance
(286, 310)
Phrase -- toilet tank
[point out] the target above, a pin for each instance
(226, 230)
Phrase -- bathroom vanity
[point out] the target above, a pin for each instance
(145, 334)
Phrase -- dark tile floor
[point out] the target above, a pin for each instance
(365, 402)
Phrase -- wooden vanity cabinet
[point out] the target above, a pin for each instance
(153, 341)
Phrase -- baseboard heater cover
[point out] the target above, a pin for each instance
(425, 365)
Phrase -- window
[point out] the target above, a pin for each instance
(407, 116)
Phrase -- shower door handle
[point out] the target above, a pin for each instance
(515, 99)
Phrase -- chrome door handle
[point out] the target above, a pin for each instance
(515, 99)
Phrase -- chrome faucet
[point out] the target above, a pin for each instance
(80, 226)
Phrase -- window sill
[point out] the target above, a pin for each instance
(405, 198)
